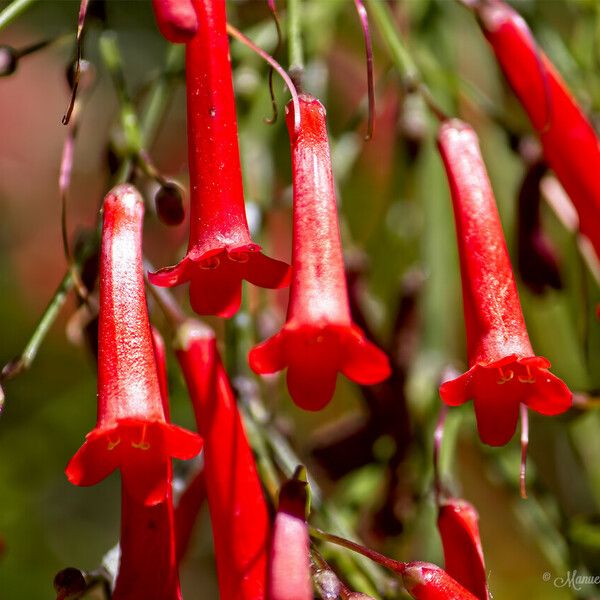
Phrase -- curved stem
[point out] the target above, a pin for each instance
(238, 35)
(394, 565)
(411, 76)
(364, 21)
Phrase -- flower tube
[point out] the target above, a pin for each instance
(318, 338)
(148, 568)
(463, 556)
(131, 432)
(569, 141)
(220, 252)
(504, 372)
(238, 511)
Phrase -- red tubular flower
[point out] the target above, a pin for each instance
(458, 526)
(237, 507)
(570, 145)
(504, 372)
(148, 567)
(176, 19)
(220, 251)
(131, 432)
(424, 581)
(319, 338)
(289, 565)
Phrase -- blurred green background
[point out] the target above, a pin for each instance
(399, 237)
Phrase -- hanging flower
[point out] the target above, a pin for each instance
(176, 19)
(569, 141)
(319, 338)
(504, 372)
(238, 512)
(220, 251)
(463, 556)
(131, 432)
(289, 565)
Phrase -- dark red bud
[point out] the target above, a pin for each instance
(169, 203)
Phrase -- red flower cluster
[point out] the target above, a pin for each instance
(318, 340)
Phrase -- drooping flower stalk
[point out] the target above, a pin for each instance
(176, 19)
(289, 564)
(131, 432)
(423, 581)
(318, 338)
(569, 141)
(463, 555)
(237, 507)
(220, 251)
(504, 371)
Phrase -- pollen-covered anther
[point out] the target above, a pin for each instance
(505, 377)
(529, 378)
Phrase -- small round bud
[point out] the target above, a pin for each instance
(69, 583)
(8, 60)
(169, 203)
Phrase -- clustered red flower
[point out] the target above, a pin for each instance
(258, 557)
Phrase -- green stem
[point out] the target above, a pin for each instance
(26, 358)
(294, 25)
(157, 104)
(161, 94)
(111, 56)
(382, 15)
(13, 10)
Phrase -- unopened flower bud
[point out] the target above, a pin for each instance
(169, 203)
(8, 60)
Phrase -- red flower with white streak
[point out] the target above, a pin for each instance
(220, 252)
(131, 432)
(318, 338)
(504, 371)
